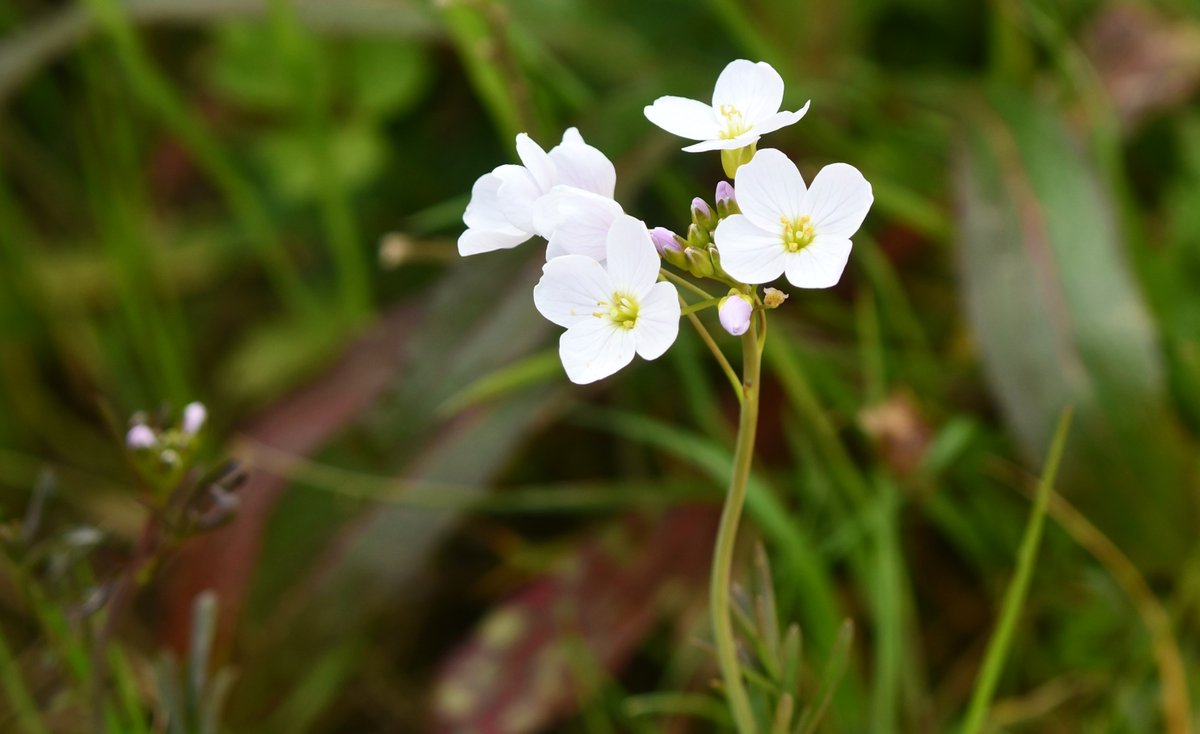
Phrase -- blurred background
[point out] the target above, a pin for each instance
(254, 204)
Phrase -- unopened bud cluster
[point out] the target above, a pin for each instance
(162, 454)
(697, 252)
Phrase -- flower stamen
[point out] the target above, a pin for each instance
(622, 310)
(735, 124)
(797, 233)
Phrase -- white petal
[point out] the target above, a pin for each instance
(575, 221)
(749, 253)
(740, 141)
(582, 166)
(484, 211)
(475, 241)
(487, 227)
(517, 194)
(553, 251)
(633, 263)
(536, 161)
(770, 187)
(594, 349)
(687, 118)
(547, 213)
(838, 200)
(755, 90)
(819, 265)
(571, 290)
(780, 120)
(657, 321)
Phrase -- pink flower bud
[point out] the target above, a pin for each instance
(726, 201)
(701, 214)
(725, 193)
(734, 313)
(664, 241)
(141, 437)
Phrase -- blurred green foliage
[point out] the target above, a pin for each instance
(254, 204)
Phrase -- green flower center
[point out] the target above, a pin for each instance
(622, 310)
(797, 233)
(735, 125)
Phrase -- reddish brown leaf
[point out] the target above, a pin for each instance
(224, 560)
(527, 662)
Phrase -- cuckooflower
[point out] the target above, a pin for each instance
(610, 311)
(500, 214)
(745, 106)
(787, 228)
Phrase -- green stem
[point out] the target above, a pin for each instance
(717, 354)
(700, 306)
(679, 280)
(731, 673)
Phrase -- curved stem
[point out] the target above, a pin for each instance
(680, 280)
(731, 672)
(717, 354)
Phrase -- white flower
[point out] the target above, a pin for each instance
(500, 214)
(787, 228)
(610, 311)
(745, 106)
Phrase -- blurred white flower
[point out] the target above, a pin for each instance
(787, 228)
(745, 106)
(194, 415)
(610, 311)
(500, 214)
(141, 436)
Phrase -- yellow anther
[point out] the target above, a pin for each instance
(623, 312)
(797, 233)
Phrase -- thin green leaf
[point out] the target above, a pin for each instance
(678, 704)
(532, 370)
(1014, 598)
(839, 660)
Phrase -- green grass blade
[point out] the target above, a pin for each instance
(678, 704)
(1014, 598)
(531, 370)
(476, 44)
(889, 617)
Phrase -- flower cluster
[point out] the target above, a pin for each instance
(605, 279)
(164, 453)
